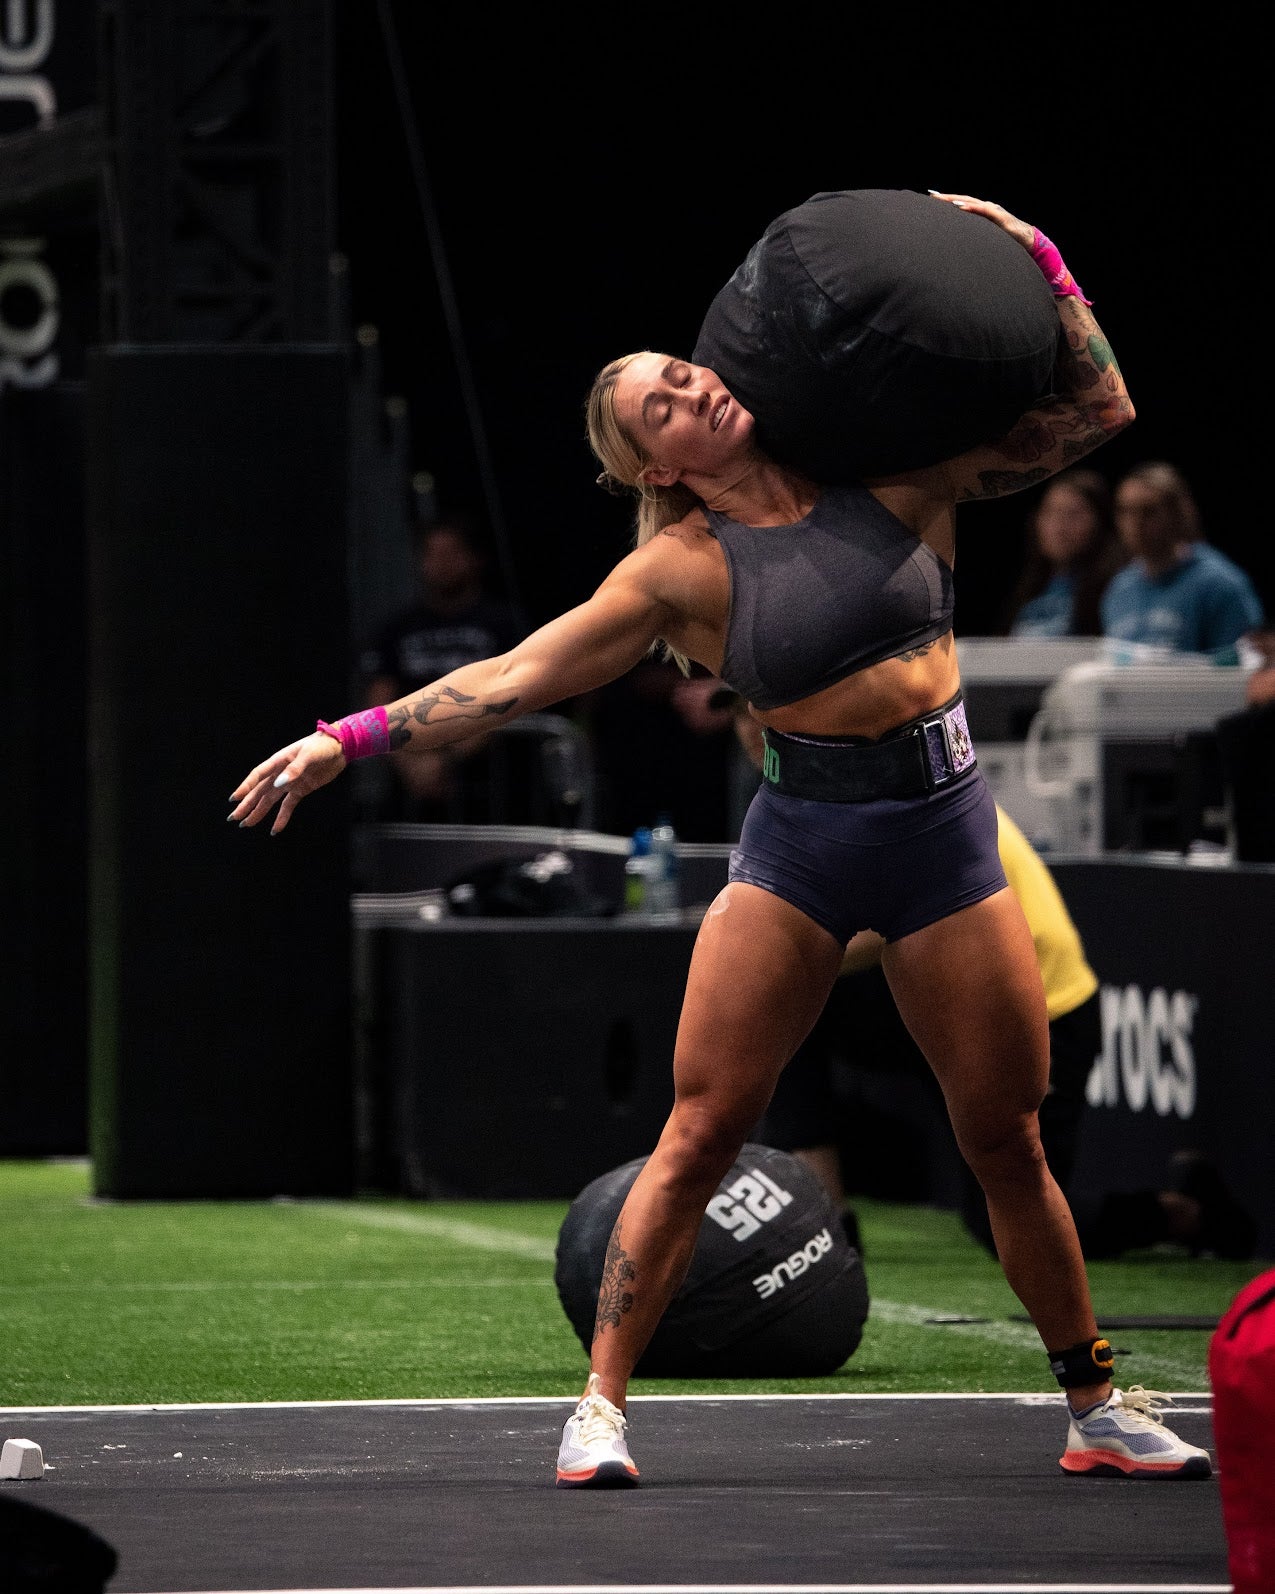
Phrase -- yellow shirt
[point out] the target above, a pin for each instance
(1069, 980)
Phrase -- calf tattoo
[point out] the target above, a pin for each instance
(617, 1271)
(454, 705)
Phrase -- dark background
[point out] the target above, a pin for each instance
(593, 179)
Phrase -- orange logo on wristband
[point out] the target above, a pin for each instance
(1100, 1351)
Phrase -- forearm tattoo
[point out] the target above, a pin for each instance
(1091, 407)
(617, 1271)
(450, 705)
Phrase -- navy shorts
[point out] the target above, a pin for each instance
(892, 864)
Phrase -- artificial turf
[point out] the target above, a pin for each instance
(125, 1303)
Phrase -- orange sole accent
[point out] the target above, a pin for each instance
(1088, 1460)
(585, 1477)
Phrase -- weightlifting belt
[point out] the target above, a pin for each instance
(924, 755)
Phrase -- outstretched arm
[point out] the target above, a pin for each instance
(579, 651)
(1092, 403)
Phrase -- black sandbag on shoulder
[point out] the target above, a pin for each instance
(871, 331)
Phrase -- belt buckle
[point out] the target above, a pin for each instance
(957, 745)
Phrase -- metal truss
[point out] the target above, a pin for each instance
(218, 189)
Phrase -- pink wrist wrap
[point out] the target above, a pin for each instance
(1061, 282)
(360, 735)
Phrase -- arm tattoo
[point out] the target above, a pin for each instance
(996, 483)
(617, 1271)
(1089, 407)
(423, 705)
(1100, 353)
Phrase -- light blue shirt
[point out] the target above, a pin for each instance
(1049, 612)
(1203, 604)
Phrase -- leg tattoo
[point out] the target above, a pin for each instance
(617, 1271)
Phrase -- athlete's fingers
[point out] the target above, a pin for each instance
(285, 778)
(256, 795)
(1022, 232)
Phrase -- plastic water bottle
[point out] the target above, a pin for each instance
(666, 895)
(638, 870)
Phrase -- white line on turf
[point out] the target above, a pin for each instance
(1150, 1363)
(478, 1236)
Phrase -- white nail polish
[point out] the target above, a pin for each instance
(282, 780)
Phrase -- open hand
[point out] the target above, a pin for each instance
(285, 778)
(1022, 232)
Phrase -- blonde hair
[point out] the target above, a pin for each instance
(622, 464)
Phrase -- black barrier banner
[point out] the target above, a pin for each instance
(1186, 959)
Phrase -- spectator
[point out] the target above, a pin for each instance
(1072, 553)
(455, 620)
(1177, 593)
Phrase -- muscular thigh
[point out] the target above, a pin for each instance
(970, 992)
(759, 977)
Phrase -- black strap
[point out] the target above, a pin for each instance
(834, 774)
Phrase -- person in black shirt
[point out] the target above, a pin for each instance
(455, 621)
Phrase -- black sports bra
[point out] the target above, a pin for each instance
(841, 589)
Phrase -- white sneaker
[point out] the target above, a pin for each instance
(593, 1454)
(1126, 1434)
